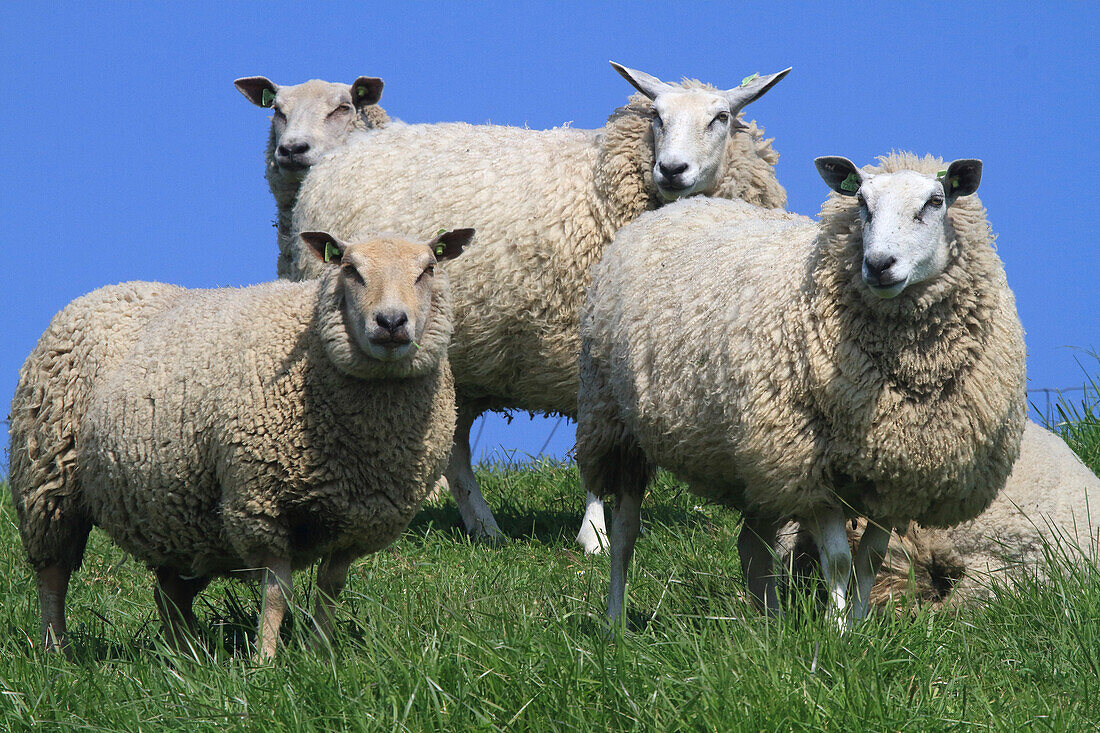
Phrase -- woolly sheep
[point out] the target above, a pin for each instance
(545, 202)
(871, 364)
(1051, 500)
(308, 120)
(214, 431)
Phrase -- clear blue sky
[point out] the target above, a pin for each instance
(131, 155)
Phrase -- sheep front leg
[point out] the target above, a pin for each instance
(593, 534)
(831, 536)
(278, 590)
(175, 597)
(868, 559)
(476, 515)
(331, 578)
(756, 546)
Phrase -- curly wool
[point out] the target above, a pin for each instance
(285, 185)
(545, 204)
(739, 348)
(204, 430)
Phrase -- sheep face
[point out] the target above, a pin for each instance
(309, 119)
(388, 288)
(691, 128)
(906, 233)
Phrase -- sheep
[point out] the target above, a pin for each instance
(308, 120)
(546, 202)
(1051, 500)
(869, 365)
(209, 432)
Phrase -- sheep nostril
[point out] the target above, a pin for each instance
(288, 149)
(392, 320)
(875, 267)
(672, 170)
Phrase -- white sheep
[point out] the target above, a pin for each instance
(214, 431)
(1050, 503)
(871, 364)
(308, 121)
(545, 203)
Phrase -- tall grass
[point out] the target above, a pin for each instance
(438, 633)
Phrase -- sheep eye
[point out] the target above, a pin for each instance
(721, 118)
(935, 202)
(429, 271)
(863, 206)
(657, 121)
(354, 274)
(279, 114)
(345, 107)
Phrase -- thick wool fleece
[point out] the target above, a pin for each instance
(1051, 500)
(545, 203)
(284, 185)
(739, 348)
(224, 426)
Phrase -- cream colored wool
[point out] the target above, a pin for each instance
(545, 203)
(1051, 500)
(206, 430)
(738, 348)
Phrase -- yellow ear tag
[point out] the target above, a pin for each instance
(267, 98)
(747, 79)
(331, 252)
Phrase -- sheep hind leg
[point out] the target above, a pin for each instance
(332, 576)
(476, 515)
(756, 545)
(830, 533)
(53, 586)
(867, 561)
(593, 534)
(278, 589)
(175, 598)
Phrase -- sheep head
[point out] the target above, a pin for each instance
(395, 308)
(906, 232)
(309, 119)
(691, 127)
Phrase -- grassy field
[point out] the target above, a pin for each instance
(437, 633)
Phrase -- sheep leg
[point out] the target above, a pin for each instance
(593, 534)
(53, 585)
(829, 532)
(868, 559)
(175, 596)
(277, 594)
(332, 575)
(625, 523)
(476, 515)
(756, 546)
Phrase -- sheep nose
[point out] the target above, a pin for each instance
(876, 267)
(672, 170)
(289, 149)
(391, 320)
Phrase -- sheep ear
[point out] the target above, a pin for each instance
(961, 178)
(752, 88)
(840, 174)
(324, 246)
(448, 245)
(366, 90)
(259, 90)
(647, 84)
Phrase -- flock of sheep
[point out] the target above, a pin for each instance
(642, 278)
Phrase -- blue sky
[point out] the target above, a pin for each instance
(133, 157)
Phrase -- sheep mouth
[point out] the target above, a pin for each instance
(289, 165)
(887, 290)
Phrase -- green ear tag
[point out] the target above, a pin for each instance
(851, 183)
(331, 252)
(267, 98)
(747, 79)
(361, 92)
(439, 250)
(941, 174)
(954, 181)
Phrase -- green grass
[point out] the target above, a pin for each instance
(436, 633)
